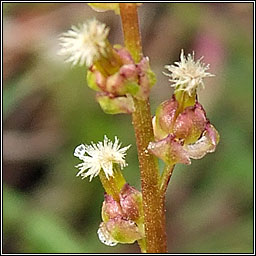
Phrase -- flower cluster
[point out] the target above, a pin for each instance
(112, 71)
(181, 128)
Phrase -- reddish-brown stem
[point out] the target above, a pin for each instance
(154, 210)
(131, 30)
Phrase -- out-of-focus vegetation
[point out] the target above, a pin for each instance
(48, 110)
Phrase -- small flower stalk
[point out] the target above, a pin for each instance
(179, 131)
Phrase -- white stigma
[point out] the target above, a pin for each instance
(187, 75)
(85, 43)
(100, 156)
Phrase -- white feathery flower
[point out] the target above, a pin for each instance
(187, 75)
(100, 156)
(85, 43)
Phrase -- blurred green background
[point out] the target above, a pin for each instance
(48, 110)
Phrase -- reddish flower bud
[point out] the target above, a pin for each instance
(129, 71)
(131, 202)
(123, 82)
(110, 208)
(165, 118)
(124, 55)
(172, 151)
(146, 78)
(190, 124)
(179, 138)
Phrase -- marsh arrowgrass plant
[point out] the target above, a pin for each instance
(179, 131)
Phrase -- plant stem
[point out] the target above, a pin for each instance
(131, 30)
(113, 184)
(165, 178)
(154, 210)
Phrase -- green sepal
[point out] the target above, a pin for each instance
(91, 81)
(151, 77)
(115, 105)
(124, 231)
(131, 87)
(184, 99)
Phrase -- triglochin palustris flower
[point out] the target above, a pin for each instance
(100, 156)
(187, 74)
(85, 43)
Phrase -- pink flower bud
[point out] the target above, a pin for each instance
(172, 151)
(115, 85)
(190, 124)
(131, 202)
(100, 80)
(110, 208)
(146, 78)
(124, 55)
(125, 78)
(123, 82)
(129, 72)
(165, 118)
